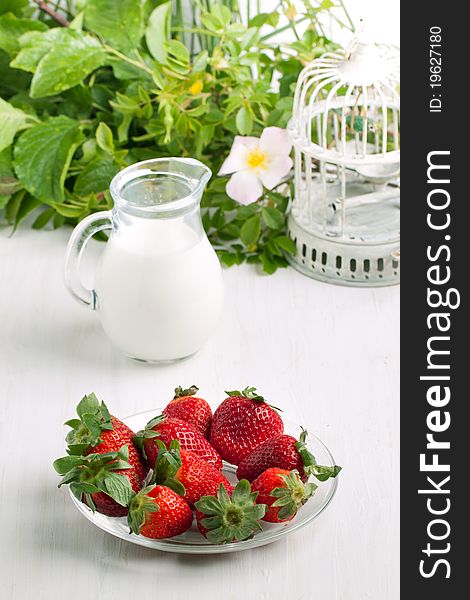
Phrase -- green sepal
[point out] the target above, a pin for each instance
(292, 495)
(77, 449)
(310, 462)
(181, 393)
(140, 506)
(147, 433)
(324, 473)
(250, 393)
(231, 518)
(94, 418)
(94, 473)
(167, 465)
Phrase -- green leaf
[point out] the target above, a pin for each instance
(157, 32)
(286, 244)
(118, 22)
(11, 29)
(244, 121)
(104, 138)
(251, 37)
(265, 19)
(96, 176)
(269, 265)
(43, 154)
(222, 13)
(28, 204)
(178, 57)
(12, 120)
(327, 4)
(251, 230)
(125, 105)
(13, 6)
(43, 218)
(69, 59)
(228, 259)
(13, 206)
(200, 62)
(273, 218)
(12, 81)
(34, 45)
(125, 71)
(77, 22)
(68, 211)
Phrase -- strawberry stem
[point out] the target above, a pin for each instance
(181, 393)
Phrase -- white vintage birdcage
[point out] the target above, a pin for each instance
(345, 216)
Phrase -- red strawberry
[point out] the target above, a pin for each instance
(229, 517)
(241, 423)
(284, 452)
(97, 434)
(186, 407)
(284, 493)
(165, 429)
(158, 512)
(102, 481)
(186, 473)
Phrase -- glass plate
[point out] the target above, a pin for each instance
(192, 542)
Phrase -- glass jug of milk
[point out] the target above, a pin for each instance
(158, 285)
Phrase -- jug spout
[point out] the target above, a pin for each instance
(196, 171)
(160, 186)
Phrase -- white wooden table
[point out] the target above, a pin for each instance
(328, 355)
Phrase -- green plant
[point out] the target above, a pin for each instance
(89, 86)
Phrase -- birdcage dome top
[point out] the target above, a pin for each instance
(346, 95)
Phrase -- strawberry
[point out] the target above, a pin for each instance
(97, 434)
(104, 482)
(229, 517)
(241, 423)
(158, 512)
(283, 492)
(186, 473)
(186, 407)
(285, 452)
(165, 429)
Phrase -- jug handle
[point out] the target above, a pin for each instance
(78, 240)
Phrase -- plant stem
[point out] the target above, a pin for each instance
(52, 13)
(135, 63)
(281, 29)
(348, 16)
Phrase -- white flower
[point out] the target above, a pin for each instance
(257, 162)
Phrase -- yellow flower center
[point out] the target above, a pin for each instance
(256, 158)
(196, 87)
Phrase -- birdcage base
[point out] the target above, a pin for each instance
(344, 262)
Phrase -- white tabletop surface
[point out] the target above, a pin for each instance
(327, 355)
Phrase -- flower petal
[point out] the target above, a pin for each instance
(244, 186)
(275, 141)
(236, 160)
(278, 168)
